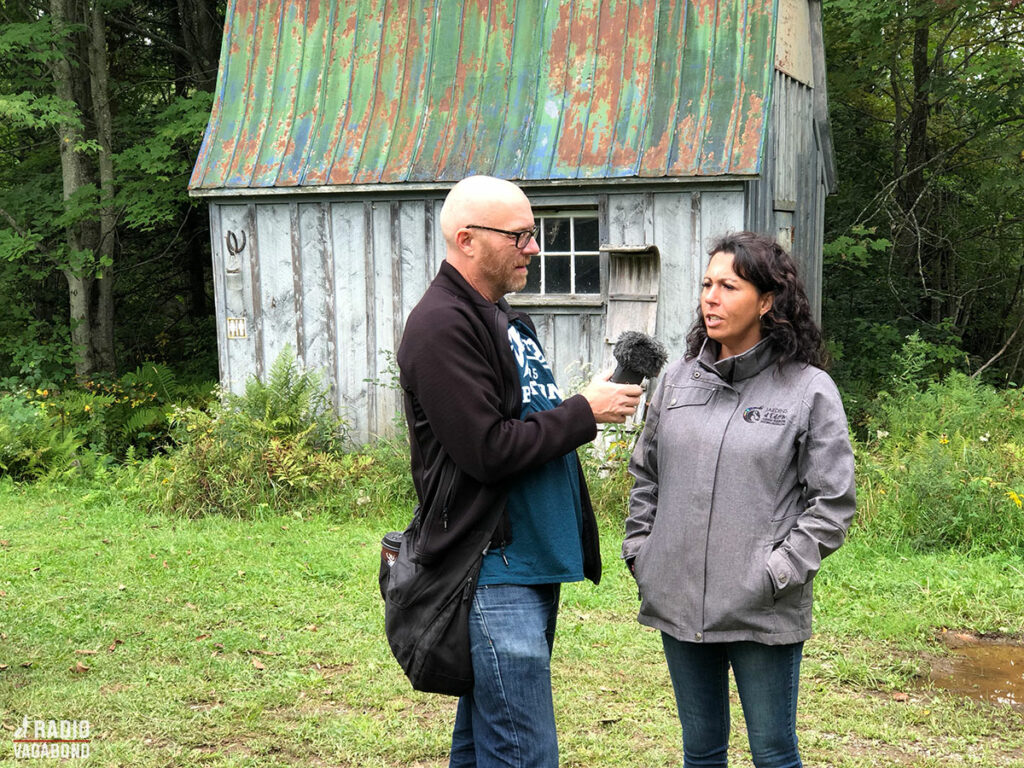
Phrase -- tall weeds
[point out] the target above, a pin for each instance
(942, 467)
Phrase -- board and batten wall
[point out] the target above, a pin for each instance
(335, 277)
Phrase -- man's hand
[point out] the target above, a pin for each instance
(611, 403)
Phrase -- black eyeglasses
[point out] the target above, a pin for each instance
(522, 237)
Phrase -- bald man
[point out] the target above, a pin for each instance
(494, 462)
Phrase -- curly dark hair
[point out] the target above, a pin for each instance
(789, 324)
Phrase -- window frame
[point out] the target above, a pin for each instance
(543, 297)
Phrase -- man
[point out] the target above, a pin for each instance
(493, 450)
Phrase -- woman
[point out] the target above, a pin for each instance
(744, 482)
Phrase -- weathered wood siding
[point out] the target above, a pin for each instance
(336, 278)
(332, 279)
(788, 199)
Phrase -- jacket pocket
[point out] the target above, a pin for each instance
(678, 397)
(434, 522)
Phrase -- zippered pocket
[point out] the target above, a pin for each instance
(435, 521)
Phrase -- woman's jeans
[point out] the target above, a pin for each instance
(509, 718)
(767, 677)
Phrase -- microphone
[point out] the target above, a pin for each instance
(638, 355)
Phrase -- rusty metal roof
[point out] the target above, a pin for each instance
(315, 93)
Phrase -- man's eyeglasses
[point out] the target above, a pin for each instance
(522, 238)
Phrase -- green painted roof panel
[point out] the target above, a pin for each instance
(340, 92)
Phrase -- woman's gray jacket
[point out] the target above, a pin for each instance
(744, 482)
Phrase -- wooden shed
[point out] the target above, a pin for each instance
(640, 129)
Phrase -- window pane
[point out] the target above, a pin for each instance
(587, 236)
(533, 276)
(588, 274)
(556, 236)
(557, 274)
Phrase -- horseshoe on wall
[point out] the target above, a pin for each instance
(234, 247)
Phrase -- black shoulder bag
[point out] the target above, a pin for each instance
(426, 612)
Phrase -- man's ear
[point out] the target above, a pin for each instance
(464, 241)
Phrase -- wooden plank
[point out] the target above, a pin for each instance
(381, 296)
(721, 213)
(298, 294)
(682, 265)
(793, 50)
(314, 312)
(218, 251)
(237, 244)
(254, 298)
(276, 285)
(349, 243)
(627, 219)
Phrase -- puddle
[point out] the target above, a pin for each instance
(990, 669)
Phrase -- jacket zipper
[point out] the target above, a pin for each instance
(448, 497)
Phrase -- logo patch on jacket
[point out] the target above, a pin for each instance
(758, 414)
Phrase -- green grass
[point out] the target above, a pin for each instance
(177, 615)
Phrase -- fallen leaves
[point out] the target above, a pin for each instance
(79, 668)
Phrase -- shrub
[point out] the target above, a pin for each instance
(606, 469)
(942, 468)
(276, 445)
(33, 444)
(127, 416)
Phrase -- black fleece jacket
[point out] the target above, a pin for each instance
(463, 401)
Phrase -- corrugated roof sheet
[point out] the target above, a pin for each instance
(340, 92)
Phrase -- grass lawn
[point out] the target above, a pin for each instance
(217, 642)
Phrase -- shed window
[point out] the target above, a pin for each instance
(569, 261)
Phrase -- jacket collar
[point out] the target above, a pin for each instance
(737, 367)
(449, 277)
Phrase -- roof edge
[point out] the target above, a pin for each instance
(444, 186)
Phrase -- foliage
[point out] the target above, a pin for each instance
(160, 66)
(943, 467)
(927, 229)
(128, 417)
(33, 444)
(893, 364)
(606, 469)
(277, 444)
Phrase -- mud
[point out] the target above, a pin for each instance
(986, 668)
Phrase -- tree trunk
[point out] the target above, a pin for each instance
(90, 299)
(201, 26)
(99, 81)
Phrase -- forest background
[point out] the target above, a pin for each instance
(105, 262)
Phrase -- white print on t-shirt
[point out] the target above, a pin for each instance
(531, 362)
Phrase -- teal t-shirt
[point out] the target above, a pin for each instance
(544, 504)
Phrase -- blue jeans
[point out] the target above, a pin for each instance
(767, 677)
(509, 718)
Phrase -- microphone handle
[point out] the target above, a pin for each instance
(626, 376)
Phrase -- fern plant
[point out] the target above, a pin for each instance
(32, 443)
(276, 444)
(292, 403)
